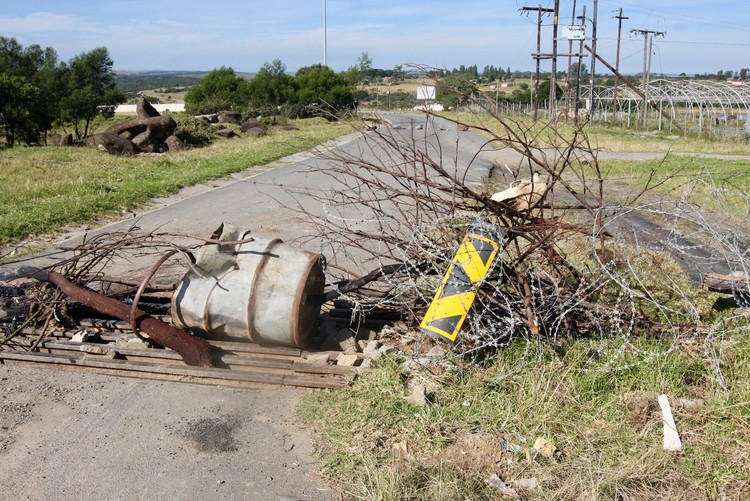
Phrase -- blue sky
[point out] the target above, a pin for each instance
(700, 36)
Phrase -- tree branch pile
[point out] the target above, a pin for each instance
(581, 258)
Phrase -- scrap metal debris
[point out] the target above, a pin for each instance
(194, 350)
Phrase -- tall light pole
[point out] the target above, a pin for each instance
(325, 35)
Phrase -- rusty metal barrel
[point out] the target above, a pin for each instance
(256, 288)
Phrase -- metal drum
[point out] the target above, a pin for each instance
(259, 289)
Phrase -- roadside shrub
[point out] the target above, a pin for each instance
(193, 131)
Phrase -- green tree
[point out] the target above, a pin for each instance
(28, 91)
(90, 90)
(322, 92)
(364, 66)
(270, 89)
(219, 90)
(454, 90)
(398, 75)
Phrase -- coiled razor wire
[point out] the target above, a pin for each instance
(683, 234)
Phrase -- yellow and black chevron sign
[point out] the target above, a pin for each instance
(456, 294)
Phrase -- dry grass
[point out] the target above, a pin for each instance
(605, 424)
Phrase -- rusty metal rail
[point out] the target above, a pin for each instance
(238, 364)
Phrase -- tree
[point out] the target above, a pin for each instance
(323, 92)
(453, 90)
(219, 90)
(398, 75)
(90, 90)
(270, 88)
(364, 66)
(29, 91)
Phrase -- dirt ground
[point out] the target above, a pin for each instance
(72, 435)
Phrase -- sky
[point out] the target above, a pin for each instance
(699, 36)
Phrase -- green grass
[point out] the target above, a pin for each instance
(720, 186)
(605, 137)
(45, 189)
(606, 425)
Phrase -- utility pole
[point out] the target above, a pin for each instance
(593, 61)
(539, 10)
(580, 62)
(648, 35)
(570, 62)
(553, 78)
(619, 18)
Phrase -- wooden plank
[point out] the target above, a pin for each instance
(150, 370)
(140, 375)
(143, 367)
(318, 382)
(309, 368)
(135, 354)
(727, 284)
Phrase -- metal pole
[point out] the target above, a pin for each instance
(617, 64)
(580, 62)
(648, 80)
(325, 34)
(644, 110)
(538, 51)
(593, 63)
(570, 61)
(553, 78)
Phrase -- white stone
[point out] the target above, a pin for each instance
(347, 360)
(318, 358)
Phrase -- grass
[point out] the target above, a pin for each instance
(606, 426)
(614, 138)
(720, 186)
(43, 189)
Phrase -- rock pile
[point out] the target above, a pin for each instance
(153, 133)
(150, 133)
(222, 118)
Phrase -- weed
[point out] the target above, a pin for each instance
(606, 425)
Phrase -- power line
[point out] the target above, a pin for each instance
(688, 42)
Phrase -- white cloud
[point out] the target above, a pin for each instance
(44, 22)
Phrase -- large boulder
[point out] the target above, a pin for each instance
(211, 118)
(66, 140)
(254, 127)
(225, 133)
(159, 128)
(142, 140)
(133, 127)
(112, 144)
(174, 143)
(144, 109)
(229, 117)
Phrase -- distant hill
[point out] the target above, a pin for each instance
(134, 81)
